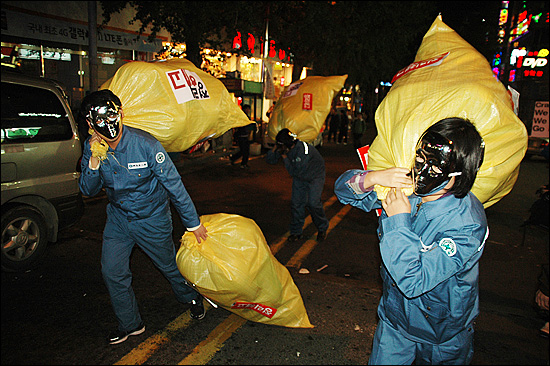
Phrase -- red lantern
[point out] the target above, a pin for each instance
(272, 52)
(251, 41)
(237, 41)
(282, 55)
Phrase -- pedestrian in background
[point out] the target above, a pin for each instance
(358, 128)
(430, 243)
(243, 136)
(334, 125)
(306, 166)
(343, 128)
(140, 181)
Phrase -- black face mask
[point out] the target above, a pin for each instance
(106, 120)
(433, 164)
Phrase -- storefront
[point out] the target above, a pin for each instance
(50, 39)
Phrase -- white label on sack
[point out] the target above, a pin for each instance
(187, 85)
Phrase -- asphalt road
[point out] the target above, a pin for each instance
(59, 313)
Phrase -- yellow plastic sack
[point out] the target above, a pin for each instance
(449, 78)
(175, 101)
(304, 105)
(235, 268)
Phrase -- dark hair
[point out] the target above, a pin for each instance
(98, 98)
(468, 150)
(285, 137)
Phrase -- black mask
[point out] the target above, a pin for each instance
(106, 120)
(434, 164)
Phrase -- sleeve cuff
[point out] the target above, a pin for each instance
(194, 228)
(90, 165)
(356, 183)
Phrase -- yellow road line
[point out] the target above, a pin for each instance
(214, 342)
(275, 247)
(303, 252)
(145, 349)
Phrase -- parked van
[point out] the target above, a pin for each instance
(40, 154)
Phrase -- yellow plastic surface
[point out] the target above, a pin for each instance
(289, 111)
(235, 264)
(463, 85)
(150, 104)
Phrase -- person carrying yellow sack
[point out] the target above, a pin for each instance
(448, 146)
(140, 181)
(430, 243)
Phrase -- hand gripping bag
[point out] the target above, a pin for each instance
(449, 78)
(235, 268)
(177, 103)
(304, 106)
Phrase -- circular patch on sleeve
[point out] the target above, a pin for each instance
(448, 245)
(160, 157)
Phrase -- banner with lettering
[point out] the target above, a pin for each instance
(176, 102)
(539, 128)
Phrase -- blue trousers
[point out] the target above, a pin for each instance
(389, 347)
(154, 236)
(307, 194)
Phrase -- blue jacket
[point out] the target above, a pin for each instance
(303, 161)
(430, 261)
(139, 179)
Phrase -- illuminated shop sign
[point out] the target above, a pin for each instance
(503, 16)
(533, 63)
(523, 26)
(251, 43)
(50, 55)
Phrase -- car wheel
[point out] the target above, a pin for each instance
(24, 238)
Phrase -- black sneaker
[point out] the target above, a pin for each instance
(321, 235)
(197, 308)
(294, 237)
(120, 336)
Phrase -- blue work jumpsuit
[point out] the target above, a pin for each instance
(140, 180)
(306, 166)
(430, 261)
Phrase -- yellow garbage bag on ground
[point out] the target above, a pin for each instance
(235, 268)
(175, 102)
(449, 78)
(304, 105)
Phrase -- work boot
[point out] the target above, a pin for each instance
(197, 310)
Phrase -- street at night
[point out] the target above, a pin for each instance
(59, 313)
(411, 138)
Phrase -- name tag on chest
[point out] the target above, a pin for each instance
(137, 165)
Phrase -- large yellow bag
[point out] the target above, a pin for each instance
(175, 101)
(304, 106)
(235, 268)
(449, 78)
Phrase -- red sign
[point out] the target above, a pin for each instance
(307, 101)
(264, 310)
(420, 64)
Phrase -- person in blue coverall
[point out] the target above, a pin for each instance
(430, 243)
(306, 166)
(140, 181)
